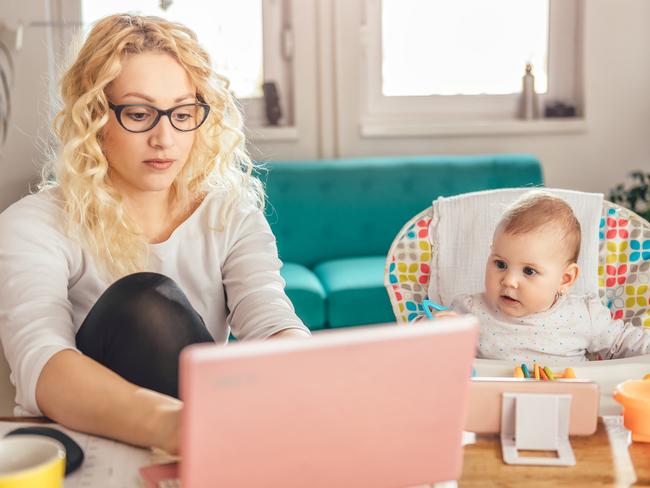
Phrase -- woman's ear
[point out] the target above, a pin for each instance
(569, 277)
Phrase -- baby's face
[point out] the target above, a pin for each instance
(524, 272)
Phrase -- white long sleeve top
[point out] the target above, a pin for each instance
(50, 282)
(561, 335)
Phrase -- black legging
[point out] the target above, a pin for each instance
(138, 328)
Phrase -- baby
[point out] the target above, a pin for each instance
(527, 312)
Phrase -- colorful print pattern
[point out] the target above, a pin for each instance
(623, 271)
(408, 268)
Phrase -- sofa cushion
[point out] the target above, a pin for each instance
(306, 293)
(355, 291)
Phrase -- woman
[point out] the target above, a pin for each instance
(147, 235)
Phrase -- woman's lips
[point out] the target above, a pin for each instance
(159, 164)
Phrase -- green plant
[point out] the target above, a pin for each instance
(634, 193)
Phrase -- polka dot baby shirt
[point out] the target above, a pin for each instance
(574, 326)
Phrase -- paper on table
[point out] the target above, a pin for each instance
(107, 463)
(112, 464)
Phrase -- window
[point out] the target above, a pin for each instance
(435, 61)
(350, 72)
(437, 47)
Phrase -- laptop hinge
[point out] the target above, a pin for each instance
(536, 422)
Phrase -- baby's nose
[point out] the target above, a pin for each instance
(509, 280)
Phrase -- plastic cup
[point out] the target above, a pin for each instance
(634, 396)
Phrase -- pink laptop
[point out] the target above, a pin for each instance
(374, 406)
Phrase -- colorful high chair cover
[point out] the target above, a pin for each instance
(623, 269)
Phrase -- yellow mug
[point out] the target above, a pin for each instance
(31, 461)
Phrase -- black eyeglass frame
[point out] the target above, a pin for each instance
(168, 113)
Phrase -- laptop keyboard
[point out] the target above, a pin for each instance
(170, 483)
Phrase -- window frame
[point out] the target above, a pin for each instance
(277, 53)
(564, 70)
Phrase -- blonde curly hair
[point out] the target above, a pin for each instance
(94, 211)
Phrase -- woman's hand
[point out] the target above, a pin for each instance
(291, 333)
(81, 394)
(167, 426)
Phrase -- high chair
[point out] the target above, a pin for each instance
(623, 286)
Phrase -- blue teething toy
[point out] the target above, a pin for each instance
(428, 306)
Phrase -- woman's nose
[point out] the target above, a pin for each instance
(162, 135)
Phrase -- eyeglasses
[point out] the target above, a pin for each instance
(141, 118)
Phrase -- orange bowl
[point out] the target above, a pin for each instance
(634, 396)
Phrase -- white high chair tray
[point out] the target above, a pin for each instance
(607, 374)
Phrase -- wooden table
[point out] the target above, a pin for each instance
(603, 459)
(606, 458)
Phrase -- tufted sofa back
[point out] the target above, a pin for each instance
(329, 209)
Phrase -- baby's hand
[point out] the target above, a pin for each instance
(445, 314)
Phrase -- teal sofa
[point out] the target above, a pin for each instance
(334, 221)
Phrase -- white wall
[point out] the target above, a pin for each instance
(617, 104)
(22, 156)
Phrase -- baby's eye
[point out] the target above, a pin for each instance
(500, 264)
(529, 271)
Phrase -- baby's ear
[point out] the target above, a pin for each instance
(570, 275)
